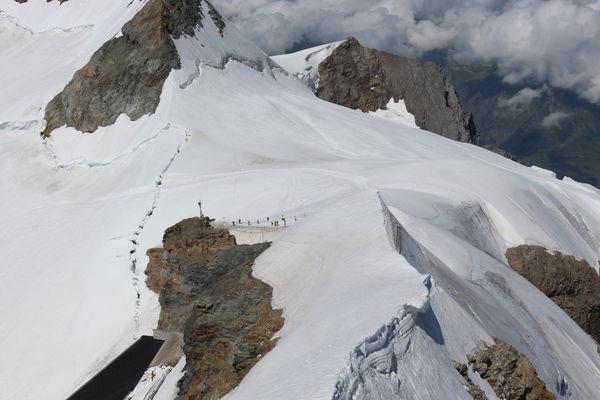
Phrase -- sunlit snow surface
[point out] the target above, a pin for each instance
(396, 111)
(253, 144)
(304, 64)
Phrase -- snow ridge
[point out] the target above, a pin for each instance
(480, 292)
(378, 356)
(197, 73)
(304, 64)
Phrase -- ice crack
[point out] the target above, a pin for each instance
(82, 162)
(140, 228)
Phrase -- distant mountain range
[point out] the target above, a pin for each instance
(551, 128)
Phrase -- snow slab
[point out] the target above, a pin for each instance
(396, 111)
(304, 64)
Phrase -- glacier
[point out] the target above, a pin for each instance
(398, 236)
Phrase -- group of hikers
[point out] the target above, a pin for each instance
(274, 223)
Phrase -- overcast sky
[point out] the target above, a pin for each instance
(555, 41)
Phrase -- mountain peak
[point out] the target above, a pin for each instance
(366, 79)
(126, 75)
(354, 76)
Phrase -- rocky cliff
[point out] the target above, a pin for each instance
(365, 79)
(510, 374)
(207, 291)
(571, 283)
(126, 75)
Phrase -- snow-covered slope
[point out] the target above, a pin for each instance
(411, 91)
(304, 64)
(80, 210)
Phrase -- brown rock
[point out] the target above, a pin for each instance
(509, 373)
(365, 79)
(207, 291)
(474, 390)
(571, 283)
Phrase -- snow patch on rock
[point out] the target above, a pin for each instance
(396, 111)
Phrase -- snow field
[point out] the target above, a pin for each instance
(254, 143)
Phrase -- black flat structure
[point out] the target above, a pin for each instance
(121, 376)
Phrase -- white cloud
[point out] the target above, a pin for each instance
(521, 99)
(554, 41)
(554, 119)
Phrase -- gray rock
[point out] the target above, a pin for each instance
(365, 79)
(217, 18)
(126, 75)
(207, 292)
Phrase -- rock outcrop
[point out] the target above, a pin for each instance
(474, 390)
(509, 373)
(207, 291)
(365, 79)
(126, 75)
(571, 283)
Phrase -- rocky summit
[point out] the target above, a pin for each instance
(365, 79)
(207, 292)
(126, 75)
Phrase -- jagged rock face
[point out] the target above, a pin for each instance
(126, 75)
(509, 373)
(181, 17)
(353, 76)
(207, 291)
(474, 390)
(191, 240)
(365, 79)
(572, 284)
(217, 18)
